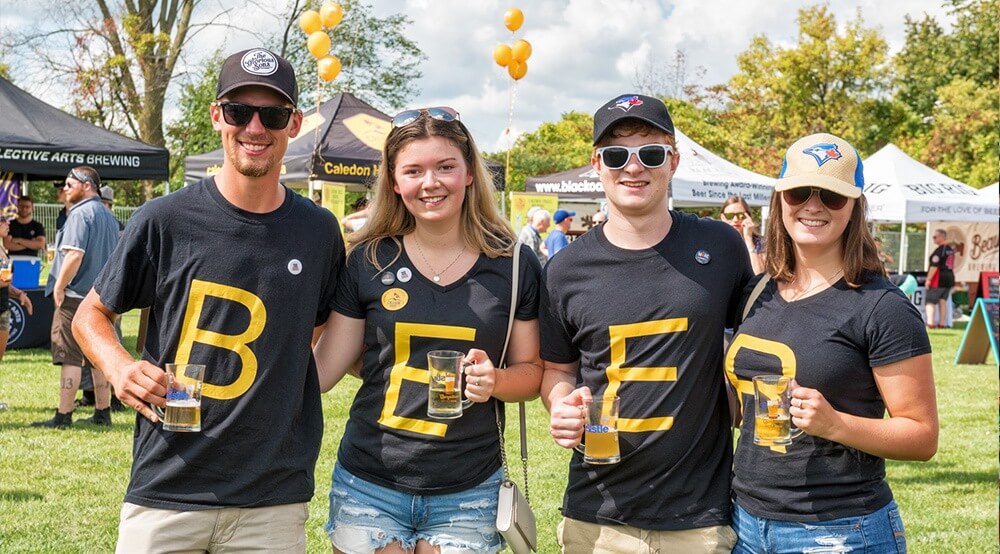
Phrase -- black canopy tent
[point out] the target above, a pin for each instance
(42, 142)
(349, 134)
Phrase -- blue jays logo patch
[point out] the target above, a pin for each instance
(823, 152)
(625, 103)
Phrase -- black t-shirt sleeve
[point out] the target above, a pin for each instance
(337, 271)
(346, 299)
(128, 280)
(529, 286)
(895, 331)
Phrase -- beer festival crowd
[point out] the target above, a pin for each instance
(648, 339)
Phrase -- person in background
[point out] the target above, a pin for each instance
(598, 218)
(557, 240)
(61, 199)
(237, 272)
(355, 220)
(635, 308)
(27, 236)
(883, 256)
(856, 349)
(431, 270)
(531, 234)
(83, 246)
(108, 199)
(736, 212)
(940, 280)
(7, 290)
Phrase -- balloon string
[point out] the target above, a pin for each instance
(510, 122)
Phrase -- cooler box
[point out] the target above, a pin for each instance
(27, 270)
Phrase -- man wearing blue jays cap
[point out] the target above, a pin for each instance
(636, 309)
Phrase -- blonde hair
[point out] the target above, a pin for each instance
(483, 227)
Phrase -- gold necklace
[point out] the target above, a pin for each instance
(437, 274)
(824, 281)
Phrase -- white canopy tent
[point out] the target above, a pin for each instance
(902, 190)
(991, 191)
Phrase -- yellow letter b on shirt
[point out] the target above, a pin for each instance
(190, 334)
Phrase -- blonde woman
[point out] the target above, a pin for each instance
(430, 270)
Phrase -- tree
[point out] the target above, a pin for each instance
(828, 81)
(552, 147)
(380, 64)
(192, 132)
(121, 61)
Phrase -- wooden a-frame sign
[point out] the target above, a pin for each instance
(981, 333)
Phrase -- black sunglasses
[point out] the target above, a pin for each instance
(273, 117)
(441, 113)
(650, 155)
(801, 195)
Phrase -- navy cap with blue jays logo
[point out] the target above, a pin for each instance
(825, 161)
(632, 106)
(259, 67)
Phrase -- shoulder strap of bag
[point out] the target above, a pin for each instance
(515, 282)
(758, 288)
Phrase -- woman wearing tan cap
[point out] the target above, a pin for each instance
(856, 348)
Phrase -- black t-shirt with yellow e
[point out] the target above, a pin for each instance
(240, 292)
(830, 342)
(647, 326)
(389, 439)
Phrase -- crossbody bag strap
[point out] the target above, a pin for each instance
(515, 283)
(757, 289)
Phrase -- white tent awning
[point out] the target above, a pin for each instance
(899, 188)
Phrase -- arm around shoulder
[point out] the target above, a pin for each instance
(338, 349)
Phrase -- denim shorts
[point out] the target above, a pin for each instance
(365, 517)
(878, 532)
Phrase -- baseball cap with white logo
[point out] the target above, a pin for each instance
(824, 161)
(260, 67)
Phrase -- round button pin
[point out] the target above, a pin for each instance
(702, 257)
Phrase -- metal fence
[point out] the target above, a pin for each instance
(47, 214)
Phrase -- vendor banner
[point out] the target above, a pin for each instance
(977, 247)
(521, 202)
(10, 191)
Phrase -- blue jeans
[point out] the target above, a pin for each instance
(365, 517)
(878, 532)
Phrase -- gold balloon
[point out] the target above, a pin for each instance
(502, 55)
(309, 22)
(517, 70)
(513, 19)
(521, 50)
(328, 68)
(319, 44)
(330, 14)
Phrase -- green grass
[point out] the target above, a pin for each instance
(60, 491)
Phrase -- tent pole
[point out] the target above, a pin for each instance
(902, 246)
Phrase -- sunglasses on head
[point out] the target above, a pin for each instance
(441, 113)
(650, 155)
(801, 195)
(272, 117)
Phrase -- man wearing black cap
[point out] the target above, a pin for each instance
(636, 309)
(236, 271)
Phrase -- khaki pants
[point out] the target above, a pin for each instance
(268, 529)
(578, 537)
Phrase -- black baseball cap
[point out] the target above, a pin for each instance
(632, 106)
(261, 67)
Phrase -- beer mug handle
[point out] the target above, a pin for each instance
(795, 431)
(461, 390)
(158, 410)
(579, 447)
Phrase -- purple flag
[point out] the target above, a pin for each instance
(10, 191)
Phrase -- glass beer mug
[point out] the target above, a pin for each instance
(184, 383)
(444, 389)
(772, 423)
(600, 433)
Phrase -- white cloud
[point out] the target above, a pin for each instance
(583, 51)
